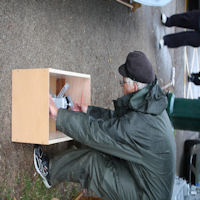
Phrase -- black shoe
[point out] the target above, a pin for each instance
(41, 162)
(190, 78)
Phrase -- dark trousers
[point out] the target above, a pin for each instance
(190, 20)
(195, 78)
(107, 176)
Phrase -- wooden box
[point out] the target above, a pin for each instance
(30, 102)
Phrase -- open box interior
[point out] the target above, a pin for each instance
(78, 90)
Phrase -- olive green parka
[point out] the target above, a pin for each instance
(131, 150)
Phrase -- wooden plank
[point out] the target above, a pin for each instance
(124, 3)
(79, 89)
(52, 122)
(59, 85)
(58, 137)
(68, 73)
(30, 111)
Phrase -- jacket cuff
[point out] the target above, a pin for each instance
(90, 108)
(62, 113)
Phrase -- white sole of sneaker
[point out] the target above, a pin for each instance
(163, 18)
(38, 171)
(161, 44)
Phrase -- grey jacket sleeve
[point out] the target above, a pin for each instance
(108, 136)
(100, 113)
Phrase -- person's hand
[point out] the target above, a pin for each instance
(53, 110)
(80, 107)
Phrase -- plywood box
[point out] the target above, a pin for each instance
(30, 102)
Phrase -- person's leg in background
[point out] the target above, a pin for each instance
(186, 38)
(195, 78)
(190, 20)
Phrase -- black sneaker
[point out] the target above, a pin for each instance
(41, 162)
(190, 78)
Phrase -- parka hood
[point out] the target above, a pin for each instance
(150, 100)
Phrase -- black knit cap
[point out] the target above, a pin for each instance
(138, 68)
